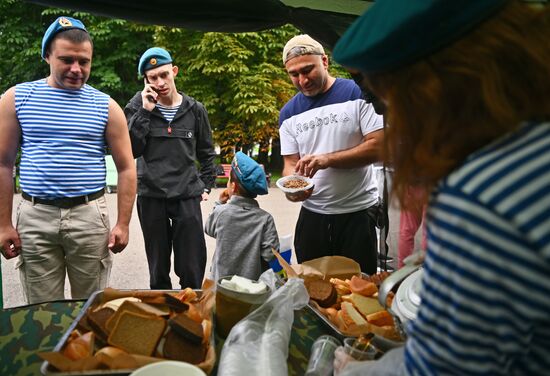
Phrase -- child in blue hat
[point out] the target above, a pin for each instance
(245, 234)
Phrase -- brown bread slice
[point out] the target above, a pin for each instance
(178, 348)
(187, 328)
(97, 321)
(137, 333)
(136, 307)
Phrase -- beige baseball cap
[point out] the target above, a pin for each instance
(301, 45)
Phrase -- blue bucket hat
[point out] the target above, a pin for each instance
(250, 174)
(394, 33)
(59, 25)
(154, 57)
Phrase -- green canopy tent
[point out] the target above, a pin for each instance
(324, 20)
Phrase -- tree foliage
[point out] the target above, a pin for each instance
(117, 47)
(239, 77)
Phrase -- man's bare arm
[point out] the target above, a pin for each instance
(367, 152)
(290, 164)
(118, 140)
(10, 133)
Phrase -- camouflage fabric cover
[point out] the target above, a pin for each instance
(27, 330)
(307, 327)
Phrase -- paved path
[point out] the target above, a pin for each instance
(130, 267)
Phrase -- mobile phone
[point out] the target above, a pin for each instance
(150, 98)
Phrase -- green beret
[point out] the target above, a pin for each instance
(153, 58)
(393, 33)
(59, 25)
(250, 174)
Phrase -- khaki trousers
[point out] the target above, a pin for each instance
(56, 242)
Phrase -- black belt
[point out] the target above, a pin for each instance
(65, 202)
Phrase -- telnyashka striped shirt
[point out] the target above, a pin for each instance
(63, 139)
(168, 111)
(486, 288)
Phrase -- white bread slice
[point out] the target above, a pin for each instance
(365, 305)
(350, 316)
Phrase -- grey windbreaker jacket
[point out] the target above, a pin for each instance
(166, 161)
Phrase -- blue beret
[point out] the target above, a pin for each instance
(60, 24)
(250, 174)
(394, 33)
(152, 58)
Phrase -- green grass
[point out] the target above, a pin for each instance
(276, 175)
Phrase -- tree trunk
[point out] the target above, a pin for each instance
(276, 161)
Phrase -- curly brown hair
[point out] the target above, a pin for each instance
(450, 104)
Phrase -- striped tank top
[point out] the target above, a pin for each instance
(486, 288)
(63, 139)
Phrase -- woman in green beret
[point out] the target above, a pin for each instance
(467, 91)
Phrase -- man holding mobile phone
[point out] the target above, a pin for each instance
(170, 132)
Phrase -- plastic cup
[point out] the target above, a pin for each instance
(362, 353)
(232, 306)
(321, 360)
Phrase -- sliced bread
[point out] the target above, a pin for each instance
(176, 347)
(187, 328)
(361, 286)
(98, 321)
(136, 307)
(137, 333)
(350, 316)
(365, 305)
(380, 318)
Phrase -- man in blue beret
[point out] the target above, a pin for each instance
(64, 126)
(329, 133)
(170, 132)
(467, 89)
(245, 234)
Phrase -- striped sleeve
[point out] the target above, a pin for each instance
(486, 287)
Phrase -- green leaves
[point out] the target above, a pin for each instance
(238, 77)
(118, 45)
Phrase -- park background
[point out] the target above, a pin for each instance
(239, 77)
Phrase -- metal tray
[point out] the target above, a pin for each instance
(382, 344)
(95, 298)
(333, 328)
